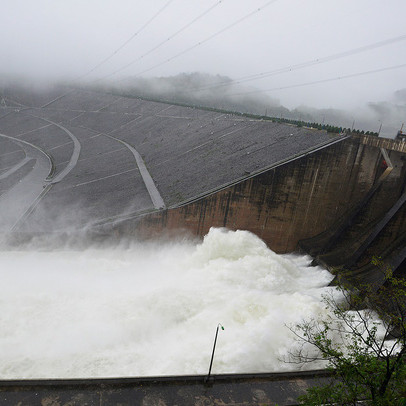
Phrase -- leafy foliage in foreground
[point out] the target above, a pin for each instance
(363, 341)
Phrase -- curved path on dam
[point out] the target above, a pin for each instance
(23, 193)
(75, 154)
(156, 197)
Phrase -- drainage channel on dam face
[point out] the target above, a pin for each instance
(152, 310)
(153, 192)
(15, 202)
(75, 154)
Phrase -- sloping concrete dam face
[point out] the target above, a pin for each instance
(97, 158)
(299, 199)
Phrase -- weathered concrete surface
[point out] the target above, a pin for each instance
(389, 144)
(373, 226)
(294, 201)
(222, 390)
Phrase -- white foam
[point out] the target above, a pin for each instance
(153, 310)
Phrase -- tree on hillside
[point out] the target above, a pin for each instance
(363, 341)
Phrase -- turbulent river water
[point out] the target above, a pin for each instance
(153, 309)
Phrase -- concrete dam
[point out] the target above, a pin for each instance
(133, 167)
(125, 167)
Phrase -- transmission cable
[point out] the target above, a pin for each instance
(112, 54)
(352, 75)
(205, 40)
(163, 42)
(127, 41)
(306, 64)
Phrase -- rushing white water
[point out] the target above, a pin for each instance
(153, 310)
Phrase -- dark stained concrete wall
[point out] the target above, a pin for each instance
(291, 202)
(255, 389)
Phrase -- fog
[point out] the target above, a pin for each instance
(66, 40)
(202, 89)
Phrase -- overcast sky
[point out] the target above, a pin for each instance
(53, 39)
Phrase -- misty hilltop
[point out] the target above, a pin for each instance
(200, 89)
(222, 92)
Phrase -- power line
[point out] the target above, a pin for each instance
(163, 42)
(307, 63)
(127, 41)
(113, 54)
(353, 75)
(208, 38)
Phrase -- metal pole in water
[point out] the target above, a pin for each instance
(214, 348)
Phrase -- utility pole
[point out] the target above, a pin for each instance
(380, 127)
(212, 354)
